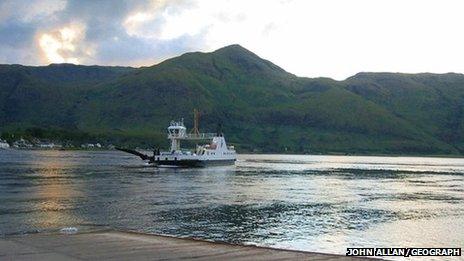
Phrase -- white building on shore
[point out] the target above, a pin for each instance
(4, 144)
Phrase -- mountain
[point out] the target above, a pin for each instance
(261, 106)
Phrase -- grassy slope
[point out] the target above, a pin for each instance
(260, 105)
(433, 103)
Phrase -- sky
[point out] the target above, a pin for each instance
(311, 38)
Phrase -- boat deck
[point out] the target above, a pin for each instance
(118, 245)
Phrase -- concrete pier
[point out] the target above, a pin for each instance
(118, 245)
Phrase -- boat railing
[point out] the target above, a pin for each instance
(193, 136)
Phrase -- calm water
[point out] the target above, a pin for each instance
(316, 203)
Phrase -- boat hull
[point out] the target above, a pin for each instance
(193, 163)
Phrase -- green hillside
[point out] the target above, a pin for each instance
(261, 106)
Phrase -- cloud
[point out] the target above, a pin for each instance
(66, 45)
(131, 32)
(334, 38)
(144, 22)
(30, 11)
(103, 32)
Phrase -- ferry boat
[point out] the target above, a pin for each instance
(215, 153)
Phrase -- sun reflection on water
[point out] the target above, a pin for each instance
(55, 193)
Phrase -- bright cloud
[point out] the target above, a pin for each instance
(145, 21)
(65, 45)
(135, 22)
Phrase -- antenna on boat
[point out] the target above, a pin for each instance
(196, 120)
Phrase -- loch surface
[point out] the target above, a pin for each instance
(303, 202)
